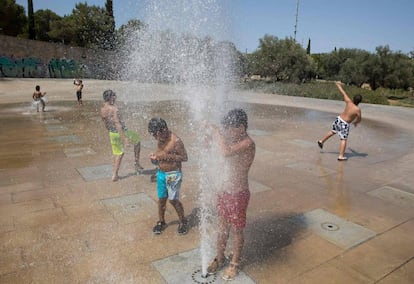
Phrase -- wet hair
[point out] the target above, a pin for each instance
(235, 118)
(357, 99)
(157, 125)
(37, 88)
(108, 94)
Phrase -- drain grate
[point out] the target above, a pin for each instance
(329, 226)
(184, 267)
(198, 278)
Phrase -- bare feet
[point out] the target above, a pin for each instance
(115, 178)
(231, 272)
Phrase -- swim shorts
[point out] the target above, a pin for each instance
(169, 184)
(79, 95)
(340, 127)
(118, 145)
(232, 206)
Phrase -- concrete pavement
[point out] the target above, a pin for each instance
(311, 219)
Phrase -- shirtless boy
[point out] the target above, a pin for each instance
(119, 135)
(351, 114)
(38, 98)
(169, 157)
(238, 150)
(79, 88)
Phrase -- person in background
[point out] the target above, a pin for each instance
(38, 98)
(341, 125)
(79, 88)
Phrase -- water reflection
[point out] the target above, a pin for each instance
(337, 189)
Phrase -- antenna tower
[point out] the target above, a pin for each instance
(296, 20)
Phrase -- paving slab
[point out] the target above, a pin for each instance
(129, 208)
(337, 230)
(394, 195)
(96, 172)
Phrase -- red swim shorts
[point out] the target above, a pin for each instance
(233, 206)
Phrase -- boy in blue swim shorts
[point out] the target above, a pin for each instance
(169, 156)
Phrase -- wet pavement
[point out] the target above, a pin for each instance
(311, 219)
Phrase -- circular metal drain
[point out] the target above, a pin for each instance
(329, 226)
(199, 279)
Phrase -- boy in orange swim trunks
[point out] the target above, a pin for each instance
(238, 150)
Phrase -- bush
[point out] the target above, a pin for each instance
(318, 89)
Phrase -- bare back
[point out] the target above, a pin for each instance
(351, 112)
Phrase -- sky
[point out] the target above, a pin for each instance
(362, 24)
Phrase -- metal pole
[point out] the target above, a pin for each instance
(296, 21)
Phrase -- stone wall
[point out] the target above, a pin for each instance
(30, 58)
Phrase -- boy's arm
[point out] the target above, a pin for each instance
(233, 150)
(175, 152)
(342, 91)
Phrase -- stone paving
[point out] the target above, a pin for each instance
(311, 218)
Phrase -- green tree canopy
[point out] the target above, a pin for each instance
(13, 20)
(44, 20)
(282, 59)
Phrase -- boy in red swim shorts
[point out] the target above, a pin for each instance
(238, 150)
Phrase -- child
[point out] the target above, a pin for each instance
(341, 125)
(79, 87)
(169, 156)
(38, 98)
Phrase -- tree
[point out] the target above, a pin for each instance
(32, 32)
(283, 60)
(110, 23)
(125, 32)
(87, 26)
(44, 20)
(63, 30)
(308, 48)
(13, 19)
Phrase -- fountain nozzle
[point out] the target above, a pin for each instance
(205, 275)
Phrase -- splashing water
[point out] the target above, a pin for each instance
(180, 47)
